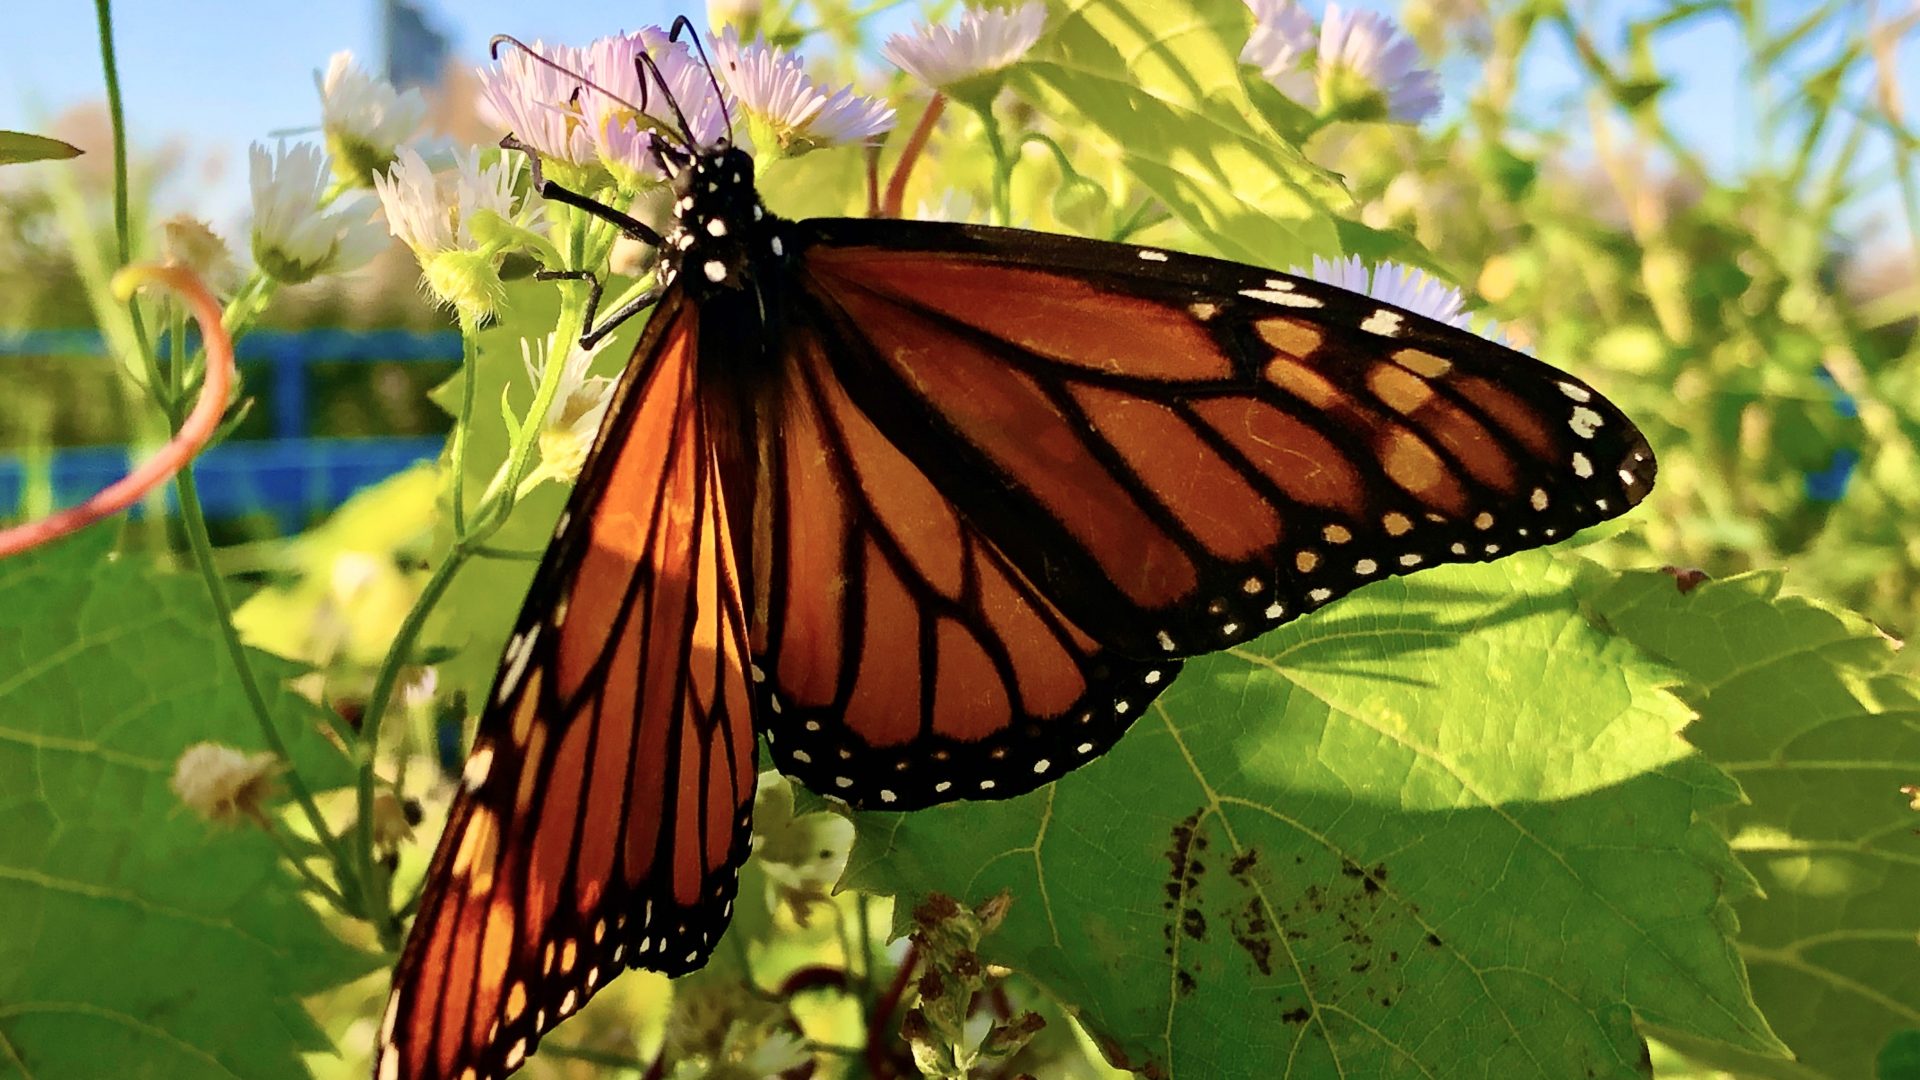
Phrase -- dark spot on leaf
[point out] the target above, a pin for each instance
(1240, 866)
(1433, 940)
(1360, 966)
(1184, 981)
(1194, 923)
(1298, 1015)
(1250, 932)
(1351, 869)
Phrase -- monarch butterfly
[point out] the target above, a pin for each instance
(936, 510)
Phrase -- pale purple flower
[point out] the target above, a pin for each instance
(1352, 54)
(297, 234)
(538, 103)
(986, 41)
(785, 105)
(1282, 47)
(622, 134)
(1367, 46)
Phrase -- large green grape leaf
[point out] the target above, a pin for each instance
(1159, 79)
(1796, 701)
(138, 940)
(1447, 827)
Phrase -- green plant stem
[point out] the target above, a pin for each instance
(1002, 166)
(314, 881)
(193, 520)
(469, 356)
(103, 14)
(383, 685)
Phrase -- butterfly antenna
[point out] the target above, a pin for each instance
(719, 95)
(651, 67)
(493, 50)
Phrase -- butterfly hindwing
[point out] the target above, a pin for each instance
(603, 814)
(902, 656)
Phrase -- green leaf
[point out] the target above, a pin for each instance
(1445, 828)
(139, 940)
(1159, 79)
(18, 147)
(1796, 701)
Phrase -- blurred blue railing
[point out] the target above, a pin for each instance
(292, 475)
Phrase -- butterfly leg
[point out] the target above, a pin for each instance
(591, 336)
(631, 226)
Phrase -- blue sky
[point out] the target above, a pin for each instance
(220, 73)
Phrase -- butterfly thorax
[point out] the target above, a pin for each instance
(722, 239)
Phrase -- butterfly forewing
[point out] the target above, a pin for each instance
(604, 810)
(1184, 453)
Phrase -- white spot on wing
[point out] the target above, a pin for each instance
(479, 764)
(519, 651)
(1584, 422)
(1383, 322)
(717, 227)
(1152, 256)
(1577, 393)
(1582, 468)
(1281, 293)
(716, 270)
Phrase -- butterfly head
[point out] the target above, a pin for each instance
(719, 227)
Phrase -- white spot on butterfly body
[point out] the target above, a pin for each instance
(716, 270)
(717, 227)
(1383, 322)
(478, 766)
(1584, 422)
(1281, 293)
(1582, 468)
(1152, 256)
